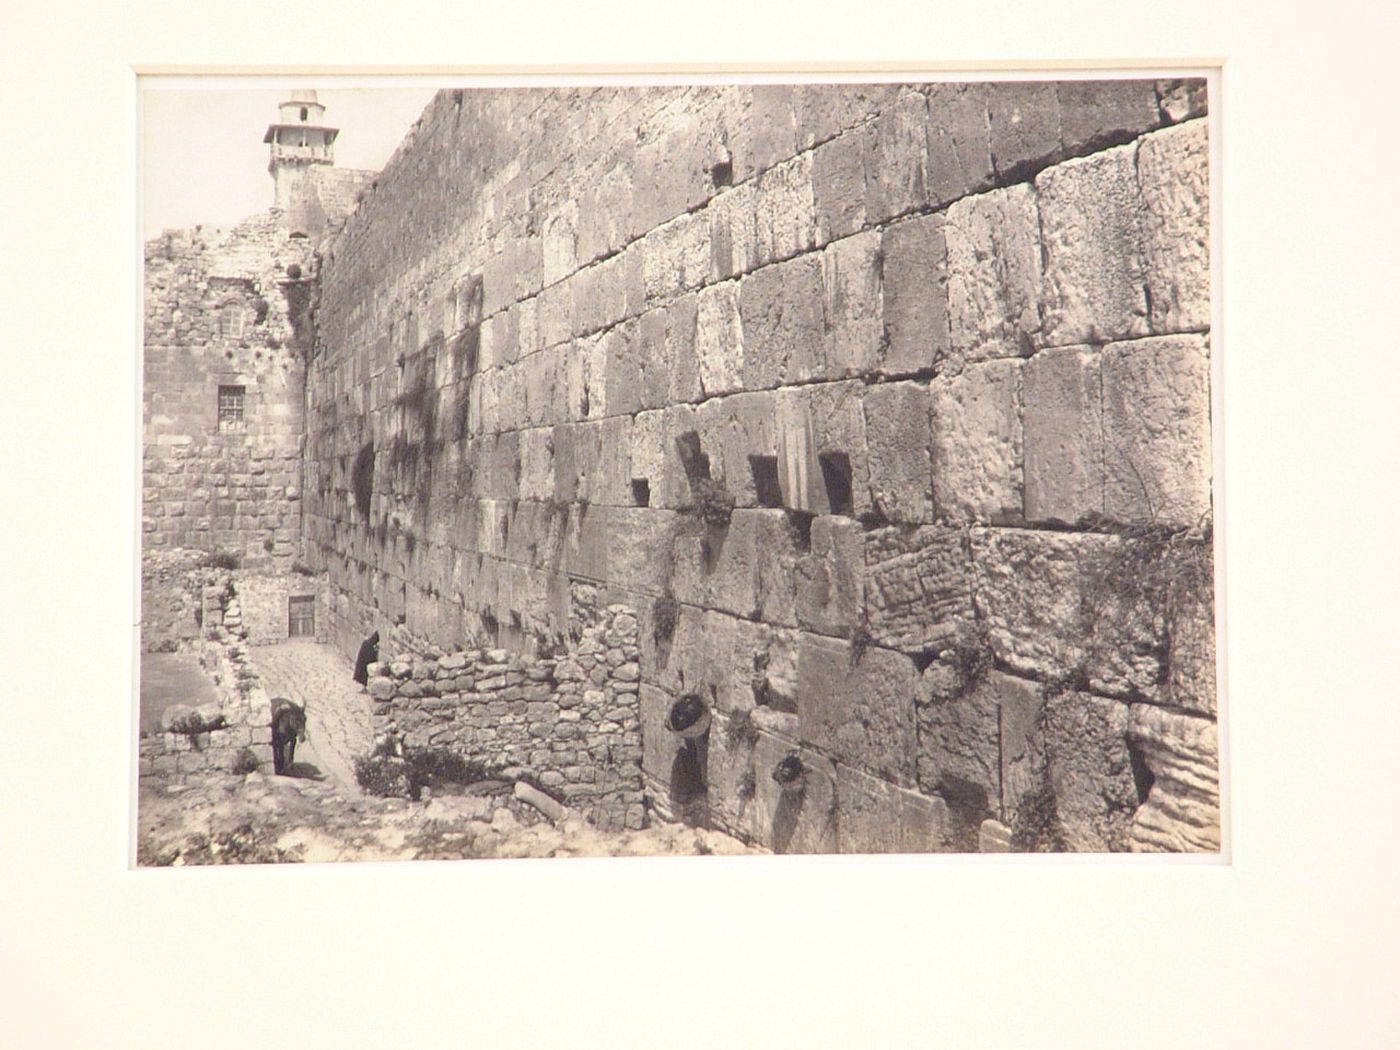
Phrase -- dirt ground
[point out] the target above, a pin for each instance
(260, 818)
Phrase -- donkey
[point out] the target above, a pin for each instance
(288, 726)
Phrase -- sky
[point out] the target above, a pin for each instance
(203, 159)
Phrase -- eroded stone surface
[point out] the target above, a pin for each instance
(1182, 811)
(875, 817)
(861, 712)
(994, 274)
(977, 444)
(1063, 414)
(897, 447)
(1091, 220)
(1157, 456)
(1173, 169)
(915, 294)
(917, 588)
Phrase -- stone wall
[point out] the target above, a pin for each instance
(572, 723)
(887, 407)
(243, 714)
(225, 309)
(266, 599)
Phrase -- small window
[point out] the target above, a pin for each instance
(231, 321)
(230, 409)
(303, 112)
(301, 616)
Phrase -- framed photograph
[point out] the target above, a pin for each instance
(693, 554)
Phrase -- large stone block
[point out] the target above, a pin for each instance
(1088, 785)
(897, 446)
(1024, 118)
(838, 186)
(1182, 99)
(896, 157)
(831, 577)
(917, 590)
(958, 141)
(875, 817)
(683, 366)
(798, 819)
(977, 444)
(838, 427)
(1182, 810)
(860, 711)
(1095, 114)
(783, 325)
(772, 127)
(1028, 589)
(1174, 172)
(624, 382)
(784, 211)
(719, 339)
(1091, 220)
(1156, 421)
(732, 240)
(851, 282)
(1063, 394)
(744, 569)
(915, 294)
(959, 745)
(994, 274)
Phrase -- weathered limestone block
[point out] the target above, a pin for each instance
(915, 294)
(959, 746)
(851, 284)
(916, 586)
(1191, 670)
(1063, 416)
(560, 241)
(838, 427)
(555, 313)
(1091, 218)
(659, 745)
(1028, 590)
(838, 186)
(801, 483)
(1157, 454)
(801, 819)
(536, 463)
(831, 578)
(719, 339)
(785, 212)
(977, 443)
(1174, 172)
(861, 712)
(875, 817)
(897, 446)
(994, 274)
(1182, 99)
(1095, 114)
(771, 134)
(1182, 811)
(600, 295)
(958, 141)
(783, 326)
(682, 362)
(1088, 784)
(896, 157)
(744, 569)
(623, 383)
(675, 258)
(1024, 118)
(609, 477)
(638, 544)
(732, 248)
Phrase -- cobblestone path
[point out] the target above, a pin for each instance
(337, 710)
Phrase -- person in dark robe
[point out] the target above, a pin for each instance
(369, 654)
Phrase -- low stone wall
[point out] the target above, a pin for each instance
(243, 712)
(572, 723)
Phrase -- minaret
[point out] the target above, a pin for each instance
(298, 141)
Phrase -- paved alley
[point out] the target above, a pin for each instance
(337, 710)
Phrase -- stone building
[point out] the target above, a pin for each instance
(882, 410)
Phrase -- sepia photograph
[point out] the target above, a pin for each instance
(677, 468)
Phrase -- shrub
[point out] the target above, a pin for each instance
(222, 560)
(713, 503)
(665, 612)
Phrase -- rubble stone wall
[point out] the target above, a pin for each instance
(571, 723)
(886, 406)
(225, 308)
(243, 713)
